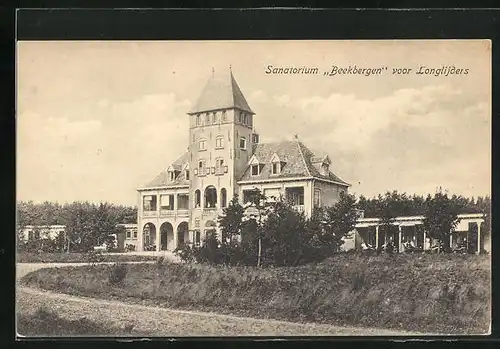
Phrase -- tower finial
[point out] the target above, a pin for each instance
(230, 68)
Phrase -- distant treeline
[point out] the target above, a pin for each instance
(53, 213)
(403, 204)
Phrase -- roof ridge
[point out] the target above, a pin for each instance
(302, 156)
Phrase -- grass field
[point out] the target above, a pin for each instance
(44, 322)
(424, 293)
(46, 257)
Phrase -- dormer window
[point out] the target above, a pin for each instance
(255, 170)
(276, 169)
(326, 168)
(276, 164)
(255, 166)
(171, 176)
(186, 174)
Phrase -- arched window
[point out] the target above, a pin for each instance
(198, 120)
(223, 197)
(210, 197)
(197, 198)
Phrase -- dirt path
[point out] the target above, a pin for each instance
(155, 321)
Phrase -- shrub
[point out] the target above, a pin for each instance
(130, 248)
(184, 252)
(94, 257)
(117, 274)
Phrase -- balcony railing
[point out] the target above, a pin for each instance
(210, 210)
(183, 213)
(167, 213)
(299, 208)
(150, 213)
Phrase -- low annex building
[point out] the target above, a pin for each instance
(225, 158)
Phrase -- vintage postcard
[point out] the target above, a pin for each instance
(253, 188)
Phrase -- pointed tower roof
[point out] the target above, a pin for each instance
(221, 92)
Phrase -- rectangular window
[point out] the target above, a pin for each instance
(202, 145)
(198, 120)
(129, 234)
(214, 118)
(167, 202)
(197, 238)
(224, 117)
(149, 203)
(240, 117)
(187, 175)
(207, 119)
(171, 176)
(255, 170)
(135, 234)
(272, 194)
(317, 198)
(243, 143)
(219, 142)
(219, 163)
(182, 201)
(201, 167)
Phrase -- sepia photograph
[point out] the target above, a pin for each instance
(253, 188)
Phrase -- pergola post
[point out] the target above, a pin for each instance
(377, 244)
(400, 238)
(425, 240)
(478, 237)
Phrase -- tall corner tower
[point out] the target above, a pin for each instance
(220, 146)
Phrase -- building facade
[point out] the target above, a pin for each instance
(225, 158)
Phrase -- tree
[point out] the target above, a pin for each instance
(285, 235)
(230, 222)
(332, 223)
(390, 207)
(441, 217)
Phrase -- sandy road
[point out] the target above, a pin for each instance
(163, 322)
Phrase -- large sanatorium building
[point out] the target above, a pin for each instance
(224, 158)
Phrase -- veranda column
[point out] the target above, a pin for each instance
(176, 233)
(376, 237)
(425, 240)
(399, 242)
(478, 238)
(158, 228)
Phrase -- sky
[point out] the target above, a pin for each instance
(97, 119)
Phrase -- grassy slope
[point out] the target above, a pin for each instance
(433, 293)
(76, 258)
(46, 323)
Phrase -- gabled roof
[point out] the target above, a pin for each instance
(221, 92)
(162, 178)
(298, 162)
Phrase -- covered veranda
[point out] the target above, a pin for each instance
(408, 232)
